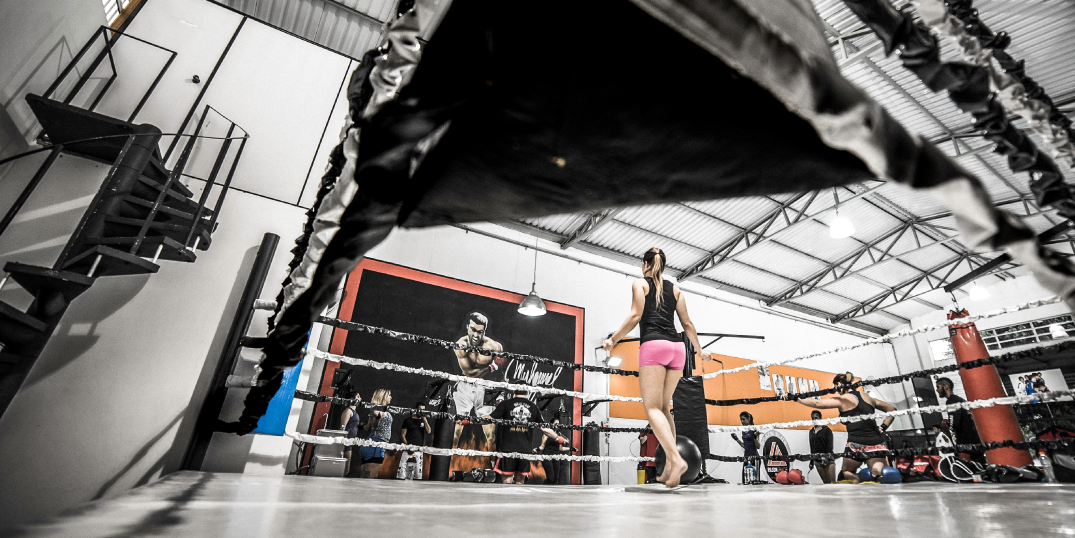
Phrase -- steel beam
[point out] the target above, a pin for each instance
(753, 235)
(875, 302)
(593, 223)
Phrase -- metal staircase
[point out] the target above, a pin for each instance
(140, 215)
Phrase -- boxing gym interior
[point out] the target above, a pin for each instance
(475, 268)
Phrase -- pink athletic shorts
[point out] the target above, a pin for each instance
(671, 355)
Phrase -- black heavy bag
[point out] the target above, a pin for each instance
(591, 446)
(438, 398)
(688, 402)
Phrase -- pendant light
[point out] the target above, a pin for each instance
(840, 227)
(978, 293)
(532, 305)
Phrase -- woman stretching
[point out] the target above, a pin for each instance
(662, 354)
(862, 436)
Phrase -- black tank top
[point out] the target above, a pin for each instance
(863, 432)
(657, 323)
(354, 424)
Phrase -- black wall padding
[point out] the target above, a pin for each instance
(591, 446)
(688, 402)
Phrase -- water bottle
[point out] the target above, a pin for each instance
(750, 474)
(1047, 466)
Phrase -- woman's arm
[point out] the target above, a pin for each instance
(688, 325)
(757, 440)
(344, 417)
(736, 437)
(638, 304)
(821, 403)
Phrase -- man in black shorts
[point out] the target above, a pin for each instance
(517, 438)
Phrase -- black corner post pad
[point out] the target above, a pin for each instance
(208, 416)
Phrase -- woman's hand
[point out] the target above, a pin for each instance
(705, 355)
(608, 344)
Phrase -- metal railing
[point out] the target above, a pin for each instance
(193, 239)
(109, 42)
(198, 222)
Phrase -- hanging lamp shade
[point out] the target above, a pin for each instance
(841, 227)
(532, 305)
(978, 293)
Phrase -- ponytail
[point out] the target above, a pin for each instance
(845, 378)
(656, 259)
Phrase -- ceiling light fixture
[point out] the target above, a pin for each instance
(977, 293)
(532, 305)
(840, 227)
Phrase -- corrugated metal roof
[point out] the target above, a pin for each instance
(739, 211)
(680, 222)
(826, 302)
(793, 264)
(749, 278)
(633, 241)
(350, 27)
(558, 224)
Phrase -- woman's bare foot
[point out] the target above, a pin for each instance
(673, 470)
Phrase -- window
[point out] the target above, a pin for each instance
(1026, 333)
(113, 8)
(942, 350)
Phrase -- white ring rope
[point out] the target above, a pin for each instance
(889, 337)
(355, 441)
(973, 404)
(584, 396)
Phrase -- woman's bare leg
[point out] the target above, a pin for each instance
(876, 465)
(671, 381)
(850, 466)
(827, 473)
(651, 382)
(371, 470)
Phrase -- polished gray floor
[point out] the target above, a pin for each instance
(204, 504)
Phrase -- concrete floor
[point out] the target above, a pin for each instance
(205, 504)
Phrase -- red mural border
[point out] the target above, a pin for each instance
(347, 306)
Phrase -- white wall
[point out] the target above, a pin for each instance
(111, 402)
(38, 40)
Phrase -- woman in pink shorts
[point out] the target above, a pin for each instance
(662, 354)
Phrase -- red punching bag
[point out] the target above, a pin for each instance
(995, 423)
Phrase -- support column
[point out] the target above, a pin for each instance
(995, 423)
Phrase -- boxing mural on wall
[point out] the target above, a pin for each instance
(407, 300)
(505, 115)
